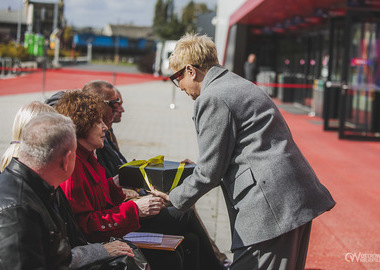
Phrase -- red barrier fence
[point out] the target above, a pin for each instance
(286, 85)
(59, 79)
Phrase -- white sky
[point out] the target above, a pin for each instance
(98, 13)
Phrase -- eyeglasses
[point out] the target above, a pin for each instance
(112, 103)
(179, 73)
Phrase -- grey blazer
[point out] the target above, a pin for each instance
(246, 147)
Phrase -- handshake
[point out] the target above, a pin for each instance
(150, 204)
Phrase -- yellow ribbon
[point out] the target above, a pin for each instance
(156, 160)
(178, 175)
(143, 164)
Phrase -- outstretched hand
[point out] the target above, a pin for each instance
(130, 193)
(149, 205)
(160, 194)
(187, 161)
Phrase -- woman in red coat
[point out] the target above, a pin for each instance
(94, 215)
(99, 204)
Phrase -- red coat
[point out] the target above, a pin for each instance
(97, 202)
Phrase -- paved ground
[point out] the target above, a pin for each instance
(344, 238)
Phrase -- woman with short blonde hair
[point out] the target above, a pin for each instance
(194, 50)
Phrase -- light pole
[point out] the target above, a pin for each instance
(20, 11)
(55, 20)
(55, 36)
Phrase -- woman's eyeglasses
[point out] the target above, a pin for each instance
(179, 73)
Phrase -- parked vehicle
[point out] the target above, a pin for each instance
(163, 51)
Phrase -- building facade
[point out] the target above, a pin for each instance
(324, 56)
(44, 17)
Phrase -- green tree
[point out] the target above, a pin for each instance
(190, 13)
(13, 51)
(166, 23)
(159, 14)
(172, 30)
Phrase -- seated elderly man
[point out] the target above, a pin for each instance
(32, 231)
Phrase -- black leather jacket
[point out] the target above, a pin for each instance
(32, 234)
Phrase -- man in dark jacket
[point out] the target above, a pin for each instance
(32, 234)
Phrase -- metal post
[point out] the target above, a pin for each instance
(19, 23)
(2, 67)
(116, 56)
(172, 105)
(43, 77)
(56, 51)
(344, 92)
(44, 64)
(327, 89)
(89, 52)
(55, 22)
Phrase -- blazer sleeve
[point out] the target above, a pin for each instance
(95, 211)
(216, 134)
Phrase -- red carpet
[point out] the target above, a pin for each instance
(351, 171)
(66, 79)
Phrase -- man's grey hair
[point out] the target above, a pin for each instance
(98, 87)
(45, 138)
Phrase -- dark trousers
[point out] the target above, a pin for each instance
(196, 247)
(285, 252)
(163, 259)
